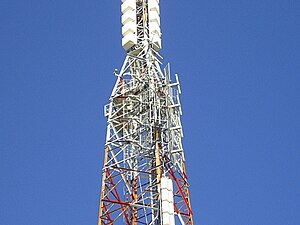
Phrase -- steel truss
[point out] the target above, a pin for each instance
(143, 140)
(143, 143)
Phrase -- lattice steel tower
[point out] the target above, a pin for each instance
(144, 177)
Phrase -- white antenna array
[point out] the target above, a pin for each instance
(140, 25)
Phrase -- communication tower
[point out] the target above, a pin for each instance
(144, 177)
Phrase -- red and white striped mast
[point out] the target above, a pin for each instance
(144, 177)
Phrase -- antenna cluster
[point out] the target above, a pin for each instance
(140, 22)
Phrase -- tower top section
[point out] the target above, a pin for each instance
(140, 24)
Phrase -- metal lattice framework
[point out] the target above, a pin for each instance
(143, 140)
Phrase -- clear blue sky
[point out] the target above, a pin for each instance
(238, 62)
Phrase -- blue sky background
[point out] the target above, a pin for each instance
(239, 68)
